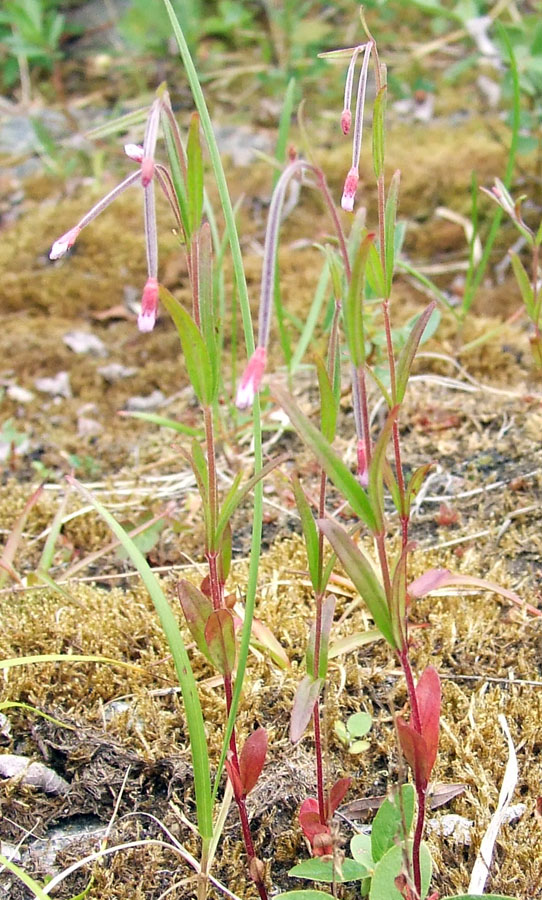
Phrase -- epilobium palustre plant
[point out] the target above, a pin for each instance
(394, 864)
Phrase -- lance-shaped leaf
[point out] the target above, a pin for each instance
(220, 637)
(420, 748)
(439, 578)
(206, 300)
(177, 164)
(376, 469)
(310, 533)
(414, 484)
(399, 595)
(328, 609)
(329, 401)
(335, 469)
(224, 558)
(306, 696)
(252, 759)
(336, 795)
(404, 363)
(196, 355)
(375, 273)
(390, 220)
(194, 176)
(237, 493)
(353, 306)
(360, 571)
(428, 695)
(196, 608)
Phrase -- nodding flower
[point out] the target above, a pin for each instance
(67, 240)
(352, 179)
(63, 244)
(349, 190)
(149, 305)
(144, 156)
(251, 379)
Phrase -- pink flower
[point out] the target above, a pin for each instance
(149, 304)
(251, 380)
(147, 170)
(349, 190)
(63, 244)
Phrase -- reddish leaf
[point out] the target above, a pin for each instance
(252, 759)
(305, 698)
(428, 694)
(337, 794)
(317, 834)
(220, 637)
(414, 750)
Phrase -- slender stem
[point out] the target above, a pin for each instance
(420, 821)
(211, 468)
(319, 763)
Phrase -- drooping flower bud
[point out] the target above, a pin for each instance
(349, 190)
(149, 305)
(251, 379)
(63, 244)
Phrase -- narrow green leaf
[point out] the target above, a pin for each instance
(328, 402)
(328, 610)
(284, 127)
(196, 608)
(199, 467)
(194, 174)
(353, 306)
(379, 109)
(406, 358)
(195, 352)
(220, 638)
(164, 422)
(336, 470)
(360, 571)
(224, 560)
(187, 682)
(376, 469)
(306, 696)
(523, 283)
(310, 533)
(390, 219)
(414, 485)
(206, 300)
(177, 168)
(375, 273)
(26, 879)
(237, 493)
(354, 641)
